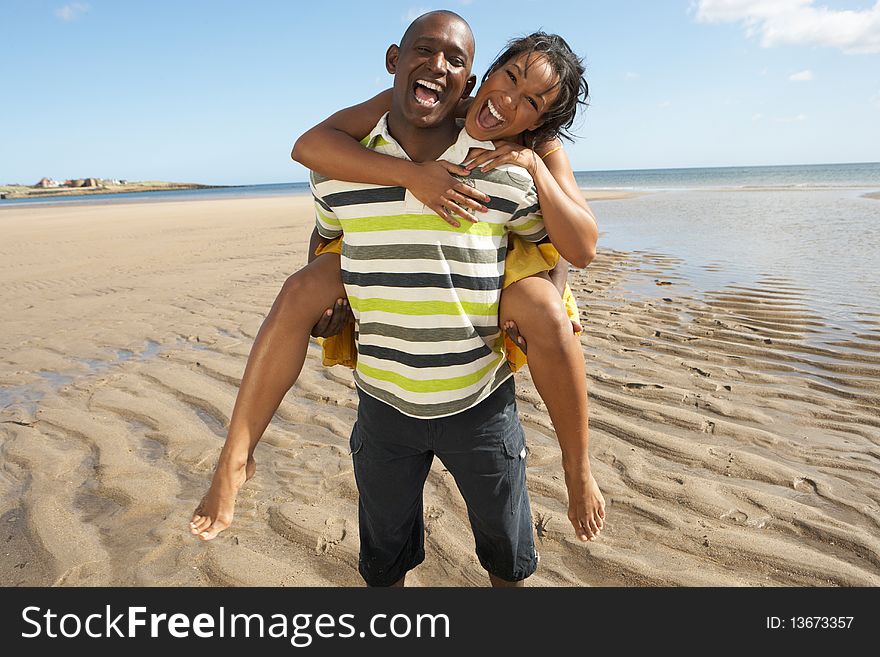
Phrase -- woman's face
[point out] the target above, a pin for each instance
(513, 98)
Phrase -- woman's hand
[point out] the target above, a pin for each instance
(435, 184)
(506, 152)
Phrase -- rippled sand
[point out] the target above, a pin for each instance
(734, 432)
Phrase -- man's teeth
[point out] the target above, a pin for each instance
(430, 85)
(494, 111)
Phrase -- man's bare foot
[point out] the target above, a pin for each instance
(214, 513)
(586, 508)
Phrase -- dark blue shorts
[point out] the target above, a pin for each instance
(484, 450)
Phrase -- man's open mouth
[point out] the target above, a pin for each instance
(489, 118)
(427, 93)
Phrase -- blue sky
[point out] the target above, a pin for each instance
(217, 92)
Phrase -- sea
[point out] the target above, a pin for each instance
(809, 232)
(812, 229)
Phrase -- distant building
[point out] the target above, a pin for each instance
(46, 183)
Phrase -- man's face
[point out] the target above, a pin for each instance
(432, 70)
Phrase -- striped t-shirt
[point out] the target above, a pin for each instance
(425, 294)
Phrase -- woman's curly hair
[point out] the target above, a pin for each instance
(573, 88)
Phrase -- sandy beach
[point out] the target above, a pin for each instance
(736, 440)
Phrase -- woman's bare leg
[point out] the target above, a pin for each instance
(273, 366)
(556, 362)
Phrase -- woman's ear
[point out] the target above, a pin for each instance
(391, 56)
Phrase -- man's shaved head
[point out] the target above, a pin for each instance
(450, 15)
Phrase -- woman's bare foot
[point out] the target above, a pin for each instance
(586, 506)
(214, 513)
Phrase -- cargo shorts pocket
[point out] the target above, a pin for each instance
(355, 441)
(514, 444)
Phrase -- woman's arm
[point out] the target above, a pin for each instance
(332, 149)
(569, 220)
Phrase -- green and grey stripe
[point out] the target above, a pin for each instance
(426, 294)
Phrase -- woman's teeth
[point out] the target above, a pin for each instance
(494, 111)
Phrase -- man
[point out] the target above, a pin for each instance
(430, 374)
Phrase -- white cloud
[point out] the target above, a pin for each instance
(631, 76)
(71, 11)
(802, 76)
(664, 104)
(412, 14)
(757, 116)
(798, 22)
(792, 119)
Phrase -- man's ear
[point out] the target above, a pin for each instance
(469, 86)
(391, 56)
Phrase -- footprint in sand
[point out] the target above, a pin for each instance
(432, 516)
(639, 386)
(804, 485)
(334, 532)
(735, 515)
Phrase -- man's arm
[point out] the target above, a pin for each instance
(327, 227)
(314, 242)
(559, 275)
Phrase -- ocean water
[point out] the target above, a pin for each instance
(826, 241)
(809, 228)
(806, 231)
(794, 176)
(863, 175)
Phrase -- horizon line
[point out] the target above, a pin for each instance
(685, 168)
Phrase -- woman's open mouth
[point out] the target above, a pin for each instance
(489, 118)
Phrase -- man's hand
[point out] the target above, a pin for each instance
(513, 333)
(333, 320)
(437, 187)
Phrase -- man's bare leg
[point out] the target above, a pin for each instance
(274, 364)
(556, 363)
(499, 583)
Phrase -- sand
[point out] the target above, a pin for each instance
(735, 438)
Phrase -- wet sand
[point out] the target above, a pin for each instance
(734, 432)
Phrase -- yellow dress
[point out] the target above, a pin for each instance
(523, 259)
